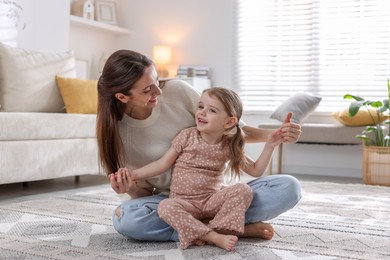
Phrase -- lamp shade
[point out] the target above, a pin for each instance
(162, 54)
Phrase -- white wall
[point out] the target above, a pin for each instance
(44, 25)
(90, 45)
(40, 25)
(199, 31)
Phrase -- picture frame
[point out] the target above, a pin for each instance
(105, 11)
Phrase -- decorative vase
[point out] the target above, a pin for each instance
(83, 8)
(376, 165)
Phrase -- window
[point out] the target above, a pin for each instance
(328, 48)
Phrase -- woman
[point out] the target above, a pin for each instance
(136, 121)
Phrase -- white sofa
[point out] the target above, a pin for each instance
(38, 139)
(37, 146)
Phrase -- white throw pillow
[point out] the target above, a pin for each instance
(27, 79)
(300, 104)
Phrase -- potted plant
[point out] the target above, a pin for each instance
(376, 138)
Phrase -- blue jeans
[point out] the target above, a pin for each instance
(273, 195)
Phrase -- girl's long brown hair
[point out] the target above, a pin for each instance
(121, 71)
(233, 106)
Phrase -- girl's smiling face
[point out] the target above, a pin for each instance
(211, 116)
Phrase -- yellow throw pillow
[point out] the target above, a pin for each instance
(79, 95)
(362, 118)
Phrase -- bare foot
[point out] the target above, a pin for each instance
(260, 230)
(199, 242)
(226, 242)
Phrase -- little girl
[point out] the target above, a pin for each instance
(200, 155)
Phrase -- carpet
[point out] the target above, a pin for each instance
(332, 221)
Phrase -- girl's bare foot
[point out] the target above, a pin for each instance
(260, 230)
(226, 242)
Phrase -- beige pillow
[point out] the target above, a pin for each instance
(80, 95)
(362, 118)
(27, 79)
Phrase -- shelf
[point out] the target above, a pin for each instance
(90, 24)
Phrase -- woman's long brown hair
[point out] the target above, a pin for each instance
(121, 71)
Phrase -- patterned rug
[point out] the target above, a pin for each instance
(332, 221)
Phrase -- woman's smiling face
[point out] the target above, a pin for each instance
(144, 94)
(146, 89)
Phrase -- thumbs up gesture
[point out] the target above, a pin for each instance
(290, 131)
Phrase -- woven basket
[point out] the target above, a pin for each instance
(376, 165)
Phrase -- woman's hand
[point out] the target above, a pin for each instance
(289, 130)
(275, 138)
(121, 181)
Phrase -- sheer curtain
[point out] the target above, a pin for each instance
(328, 48)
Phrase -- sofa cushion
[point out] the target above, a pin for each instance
(80, 95)
(16, 126)
(27, 79)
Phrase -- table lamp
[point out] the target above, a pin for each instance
(161, 57)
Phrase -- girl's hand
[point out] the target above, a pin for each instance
(121, 181)
(289, 130)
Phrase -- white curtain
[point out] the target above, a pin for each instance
(325, 47)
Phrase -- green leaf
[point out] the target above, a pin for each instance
(349, 96)
(375, 104)
(385, 105)
(370, 129)
(354, 108)
(386, 141)
(388, 87)
(363, 137)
